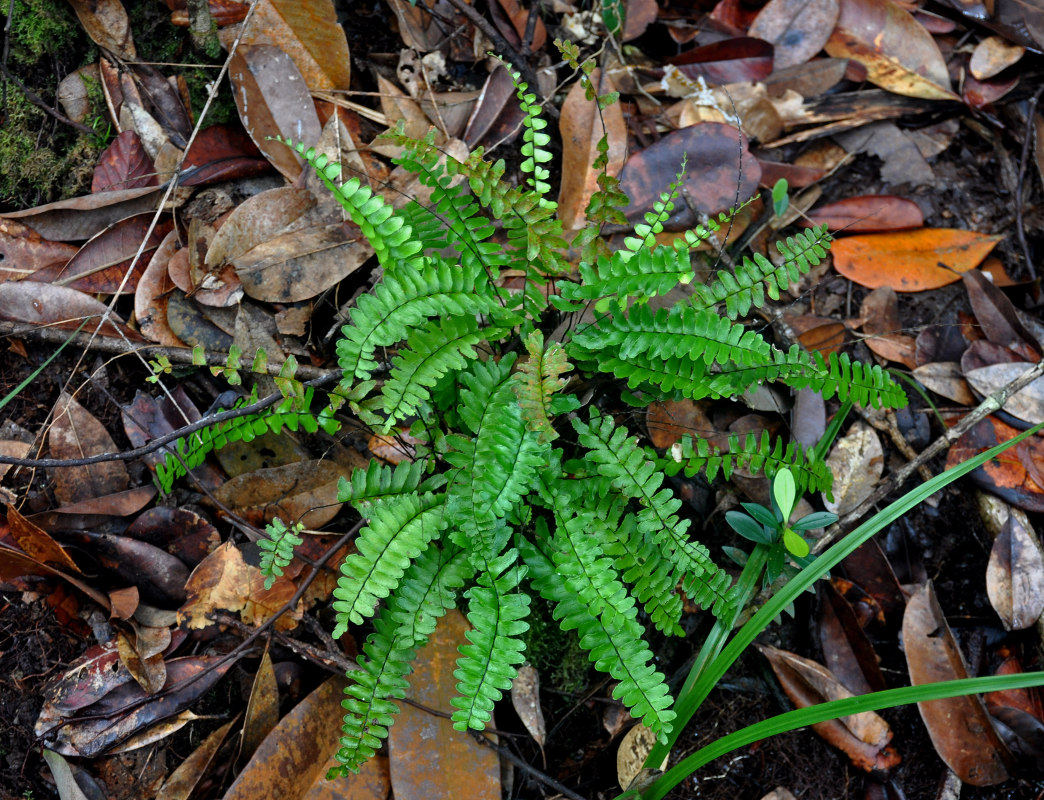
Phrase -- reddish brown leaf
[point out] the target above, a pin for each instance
(797, 177)
(496, 116)
(41, 304)
(717, 153)
(670, 420)
(428, 757)
(911, 261)
(867, 214)
(150, 296)
(100, 267)
(729, 61)
(37, 543)
(272, 98)
(1028, 700)
(149, 670)
(23, 251)
(77, 434)
(898, 53)
(797, 28)
(869, 567)
(982, 94)
(582, 126)
(846, 649)
(959, 727)
(1015, 576)
(15, 564)
(862, 737)
(1005, 475)
(823, 335)
(221, 153)
(511, 19)
(124, 165)
(82, 217)
(640, 15)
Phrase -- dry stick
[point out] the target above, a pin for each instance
(161, 441)
(112, 345)
(993, 402)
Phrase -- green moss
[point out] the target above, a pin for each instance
(41, 161)
(556, 654)
(41, 28)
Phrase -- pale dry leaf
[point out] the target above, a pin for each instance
(525, 697)
(1015, 574)
(857, 462)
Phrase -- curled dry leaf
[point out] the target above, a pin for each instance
(898, 53)
(77, 434)
(223, 581)
(1015, 575)
(847, 650)
(150, 296)
(911, 261)
(862, 737)
(428, 757)
(108, 25)
(857, 462)
(959, 727)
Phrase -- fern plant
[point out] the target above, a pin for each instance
(516, 488)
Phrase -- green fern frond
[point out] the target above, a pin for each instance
(277, 548)
(752, 453)
(405, 299)
(427, 591)
(646, 232)
(378, 480)
(643, 274)
(386, 230)
(590, 598)
(490, 660)
(753, 279)
(537, 381)
(534, 140)
(613, 453)
(399, 529)
(432, 351)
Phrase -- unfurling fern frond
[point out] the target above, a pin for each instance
(754, 278)
(490, 660)
(427, 591)
(538, 380)
(614, 453)
(400, 528)
(277, 548)
(693, 454)
(589, 597)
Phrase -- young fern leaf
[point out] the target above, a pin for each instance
(427, 591)
(592, 600)
(490, 660)
(534, 140)
(537, 383)
(400, 528)
(378, 481)
(654, 220)
(277, 548)
(613, 453)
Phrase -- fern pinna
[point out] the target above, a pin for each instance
(516, 488)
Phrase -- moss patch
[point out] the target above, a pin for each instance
(42, 28)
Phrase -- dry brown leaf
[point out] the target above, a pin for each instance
(82, 217)
(797, 28)
(262, 711)
(305, 491)
(525, 697)
(945, 378)
(150, 296)
(581, 126)
(77, 434)
(428, 757)
(37, 543)
(108, 25)
(23, 251)
(959, 727)
(224, 582)
(1026, 404)
(1015, 575)
(993, 55)
(181, 783)
(634, 749)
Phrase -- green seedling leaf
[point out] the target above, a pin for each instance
(780, 198)
(748, 528)
(795, 544)
(761, 514)
(784, 490)
(817, 519)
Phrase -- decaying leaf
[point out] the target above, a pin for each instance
(305, 491)
(1015, 575)
(525, 697)
(862, 737)
(959, 727)
(857, 462)
(1007, 475)
(77, 434)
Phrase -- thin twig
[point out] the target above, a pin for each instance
(161, 441)
(40, 103)
(1020, 229)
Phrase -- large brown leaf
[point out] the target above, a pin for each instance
(23, 251)
(77, 434)
(82, 217)
(797, 28)
(581, 128)
(429, 759)
(728, 61)
(1015, 574)
(869, 213)
(305, 491)
(272, 99)
(123, 165)
(716, 156)
(898, 53)
(959, 727)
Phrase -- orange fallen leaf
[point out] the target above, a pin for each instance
(911, 261)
